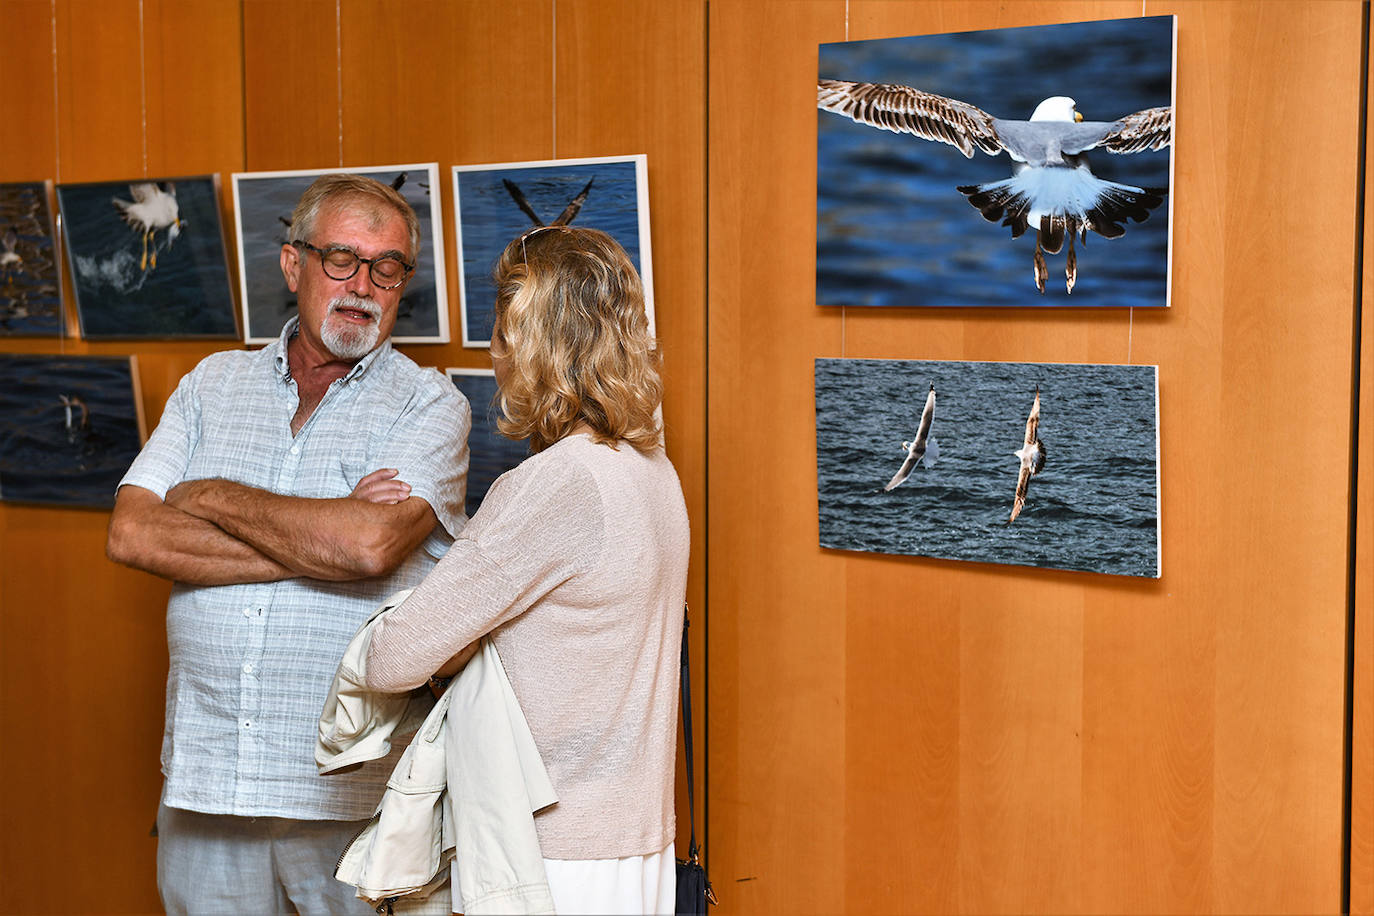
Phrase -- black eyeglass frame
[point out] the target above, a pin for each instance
(359, 261)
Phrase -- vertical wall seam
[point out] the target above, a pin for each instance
(553, 76)
(706, 437)
(143, 84)
(1352, 519)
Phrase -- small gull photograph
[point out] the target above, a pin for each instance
(147, 259)
(30, 290)
(490, 454)
(263, 204)
(1033, 464)
(1007, 167)
(70, 426)
(495, 203)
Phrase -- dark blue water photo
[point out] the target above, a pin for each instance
(1094, 504)
(263, 203)
(30, 292)
(891, 228)
(147, 258)
(69, 428)
(490, 453)
(489, 217)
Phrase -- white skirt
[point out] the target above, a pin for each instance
(628, 886)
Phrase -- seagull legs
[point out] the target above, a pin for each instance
(1042, 273)
(1071, 266)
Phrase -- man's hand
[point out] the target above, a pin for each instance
(381, 486)
(365, 534)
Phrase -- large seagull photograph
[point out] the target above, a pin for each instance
(1007, 167)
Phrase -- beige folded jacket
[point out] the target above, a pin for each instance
(463, 793)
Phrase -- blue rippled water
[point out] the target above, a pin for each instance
(489, 219)
(892, 230)
(43, 459)
(1094, 506)
(186, 295)
(490, 454)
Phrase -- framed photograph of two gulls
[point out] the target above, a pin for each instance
(263, 203)
(147, 258)
(495, 203)
(1033, 464)
(1009, 167)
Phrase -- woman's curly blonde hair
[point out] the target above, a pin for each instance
(570, 322)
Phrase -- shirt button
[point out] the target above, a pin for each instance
(246, 723)
(247, 668)
(248, 612)
(295, 449)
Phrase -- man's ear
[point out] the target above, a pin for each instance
(290, 266)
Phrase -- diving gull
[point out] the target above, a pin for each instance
(1032, 456)
(921, 449)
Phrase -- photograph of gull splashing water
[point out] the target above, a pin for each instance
(147, 258)
(1034, 464)
(1005, 167)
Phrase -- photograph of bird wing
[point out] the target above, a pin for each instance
(1032, 456)
(154, 207)
(569, 212)
(1052, 189)
(920, 448)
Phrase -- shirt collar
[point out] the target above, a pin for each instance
(283, 365)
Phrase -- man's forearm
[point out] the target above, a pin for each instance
(147, 534)
(334, 539)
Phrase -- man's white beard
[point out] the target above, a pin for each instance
(345, 339)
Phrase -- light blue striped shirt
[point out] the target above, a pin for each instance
(251, 664)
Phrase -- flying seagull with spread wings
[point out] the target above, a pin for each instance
(921, 449)
(1052, 189)
(1032, 456)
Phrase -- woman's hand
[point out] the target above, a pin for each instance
(381, 486)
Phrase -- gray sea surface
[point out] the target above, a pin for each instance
(1094, 506)
(265, 203)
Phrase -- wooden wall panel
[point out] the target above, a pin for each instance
(1362, 737)
(26, 59)
(777, 638)
(1026, 740)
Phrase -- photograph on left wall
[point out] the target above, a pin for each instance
(490, 453)
(70, 426)
(263, 204)
(30, 290)
(147, 258)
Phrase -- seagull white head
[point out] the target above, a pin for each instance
(1056, 108)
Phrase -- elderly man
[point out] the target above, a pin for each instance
(286, 492)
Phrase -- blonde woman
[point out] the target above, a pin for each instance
(576, 564)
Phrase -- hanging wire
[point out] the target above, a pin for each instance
(57, 154)
(338, 73)
(553, 71)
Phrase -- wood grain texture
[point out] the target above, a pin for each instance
(1025, 740)
(1362, 737)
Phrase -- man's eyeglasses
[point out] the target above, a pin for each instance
(388, 271)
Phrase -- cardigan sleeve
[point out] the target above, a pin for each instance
(537, 529)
